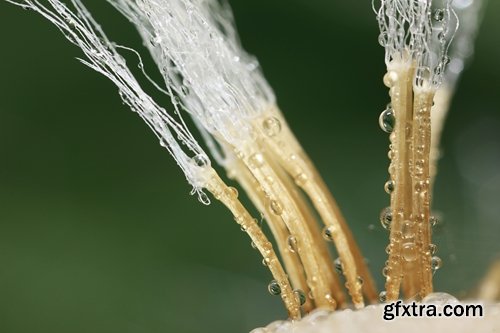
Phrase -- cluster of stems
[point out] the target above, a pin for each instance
(409, 266)
(284, 185)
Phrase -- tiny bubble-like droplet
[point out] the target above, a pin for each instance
(232, 191)
(432, 249)
(382, 297)
(201, 160)
(409, 252)
(276, 207)
(389, 187)
(382, 39)
(331, 300)
(328, 232)
(271, 126)
(292, 244)
(390, 78)
(439, 15)
(338, 266)
(386, 218)
(301, 179)
(266, 261)
(301, 296)
(359, 281)
(387, 120)
(436, 263)
(256, 160)
(433, 221)
(407, 229)
(274, 288)
(385, 271)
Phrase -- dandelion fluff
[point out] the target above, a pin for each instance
(80, 29)
(420, 32)
(195, 46)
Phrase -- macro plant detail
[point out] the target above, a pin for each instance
(214, 84)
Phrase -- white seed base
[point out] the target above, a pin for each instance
(370, 319)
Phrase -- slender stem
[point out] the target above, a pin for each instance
(227, 196)
(399, 79)
(286, 245)
(421, 187)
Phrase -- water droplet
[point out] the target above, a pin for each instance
(432, 249)
(390, 154)
(338, 266)
(433, 221)
(292, 244)
(256, 160)
(387, 120)
(385, 271)
(274, 288)
(445, 60)
(388, 249)
(239, 219)
(269, 180)
(254, 246)
(439, 15)
(201, 160)
(389, 186)
(329, 298)
(231, 191)
(408, 229)
(328, 232)
(359, 281)
(382, 39)
(386, 218)
(390, 78)
(422, 75)
(301, 179)
(301, 296)
(266, 261)
(409, 252)
(436, 263)
(275, 207)
(421, 186)
(271, 126)
(382, 297)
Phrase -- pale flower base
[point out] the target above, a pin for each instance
(370, 320)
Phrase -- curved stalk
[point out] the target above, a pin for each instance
(228, 197)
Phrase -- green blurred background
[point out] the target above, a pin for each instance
(98, 232)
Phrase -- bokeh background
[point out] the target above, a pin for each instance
(98, 232)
